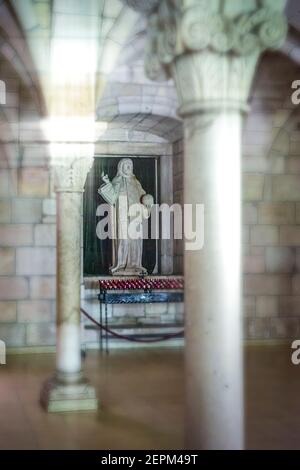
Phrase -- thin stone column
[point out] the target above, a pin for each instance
(211, 50)
(69, 80)
(68, 359)
(68, 390)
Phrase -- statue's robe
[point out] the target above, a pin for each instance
(122, 192)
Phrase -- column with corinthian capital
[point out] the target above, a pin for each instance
(68, 390)
(211, 50)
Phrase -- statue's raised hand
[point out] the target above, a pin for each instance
(104, 177)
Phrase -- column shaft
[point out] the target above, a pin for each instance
(68, 359)
(214, 372)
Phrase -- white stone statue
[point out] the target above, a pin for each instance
(123, 192)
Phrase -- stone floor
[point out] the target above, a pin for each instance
(142, 402)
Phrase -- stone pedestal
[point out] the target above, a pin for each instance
(59, 396)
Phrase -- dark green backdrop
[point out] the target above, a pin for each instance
(97, 254)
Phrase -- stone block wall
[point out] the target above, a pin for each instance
(27, 263)
(27, 225)
(271, 195)
(271, 219)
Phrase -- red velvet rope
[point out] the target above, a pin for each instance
(128, 338)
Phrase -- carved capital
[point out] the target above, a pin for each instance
(71, 168)
(221, 40)
(207, 81)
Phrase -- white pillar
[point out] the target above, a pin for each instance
(69, 88)
(68, 358)
(211, 51)
(213, 314)
(69, 390)
(214, 366)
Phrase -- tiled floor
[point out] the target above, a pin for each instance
(141, 395)
(142, 402)
(272, 398)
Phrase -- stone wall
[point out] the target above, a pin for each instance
(27, 231)
(271, 195)
(271, 218)
(27, 266)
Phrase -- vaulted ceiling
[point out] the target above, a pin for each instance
(133, 107)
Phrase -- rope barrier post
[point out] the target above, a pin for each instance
(106, 326)
(100, 330)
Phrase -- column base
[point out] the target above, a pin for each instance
(60, 397)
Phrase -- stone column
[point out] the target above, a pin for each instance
(211, 50)
(68, 360)
(68, 390)
(214, 368)
(69, 84)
